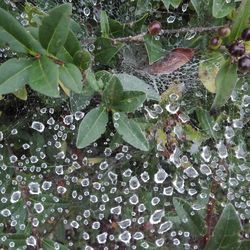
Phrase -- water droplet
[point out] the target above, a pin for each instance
(156, 217)
(38, 126)
(15, 197)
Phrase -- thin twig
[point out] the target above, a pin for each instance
(140, 37)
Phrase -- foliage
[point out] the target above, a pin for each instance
(114, 137)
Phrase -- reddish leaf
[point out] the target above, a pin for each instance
(173, 61)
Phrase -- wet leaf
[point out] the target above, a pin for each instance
(131, 132)
(194, 222)
(133, 83)
(173, 61)
(14, 75)
(71, 77)
(222, 8)
(54, 29)
(43, 77)
(226, 80)
(18, 33)
(92, 127)
(208, 70)
(130, 101)
(226, 233)
(154, 48)
(206, 122)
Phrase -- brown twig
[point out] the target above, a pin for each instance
(140, 37)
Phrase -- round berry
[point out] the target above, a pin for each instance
(244, 63)
(154, 28)
(245, 35)
(215, 42)
(224, 31)
(237, 49)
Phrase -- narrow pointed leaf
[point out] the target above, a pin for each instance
(226, 234)
(72, 45)
(14, 75)
(195, 222)
(131, 132)
(225, 81)
(92, 127)
(71, 77)
(104, 24)
(43, 77)
(17, 32)
(54, 30)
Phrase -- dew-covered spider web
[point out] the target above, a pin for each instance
(110, 195)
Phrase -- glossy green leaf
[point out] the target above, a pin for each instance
(226, 234)
(130, 101)
(104, 21)
(133, 83)
(225, 81)
(241, 21)
(54, 30)
(131, 132)
(244, 245)
(50, 244)
(71, 77)
(221, 8)
(206, 122)
(17, 32)
(113, 91)
(106, 52)
(154, 49)
(14, 75)
(92, 127)
(82, 59)
(194, 222)
(43, 77)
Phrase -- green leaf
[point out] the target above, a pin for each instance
(18, 33)
(130, 101)
(14, 75)
(82, 59)
(206, 122)
(142, 7)
(106, 52)
(93, 83)
(104, 24)
(197, 6)
(71, 77)
(21, 94)
(50, 244)
(194, 222)
(192, 134)
(242, 20)
(226, 233)
(131, 132)
(133, 83)
(43, 77)
(221, 8)
(54, 30)
(154, 48)
(208, 70)
(113, 91)
(72, 45)
(174, 3)
(92, 127)
(225, 81)
(244, 245)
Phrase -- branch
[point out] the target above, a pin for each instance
(140, 37)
